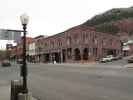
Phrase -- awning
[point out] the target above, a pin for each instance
(126, 48)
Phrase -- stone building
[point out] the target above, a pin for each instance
(79, 44)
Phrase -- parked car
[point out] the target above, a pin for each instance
(5, 63)
(130, 60)
(107, 58)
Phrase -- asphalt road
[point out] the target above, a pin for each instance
(75, 82)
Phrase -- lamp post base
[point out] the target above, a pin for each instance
(16, 88)
(24, 96)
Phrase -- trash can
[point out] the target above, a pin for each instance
(16, 88)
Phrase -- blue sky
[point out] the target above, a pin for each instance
(48, 17)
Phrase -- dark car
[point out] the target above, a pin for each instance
(130, 60)
(5, 63)
(20, 61)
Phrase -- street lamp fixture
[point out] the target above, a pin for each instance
(24, 20)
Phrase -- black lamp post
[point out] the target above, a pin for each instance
(24, 20)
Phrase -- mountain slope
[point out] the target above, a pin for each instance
(113, 21)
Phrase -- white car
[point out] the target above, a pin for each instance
(107, 58)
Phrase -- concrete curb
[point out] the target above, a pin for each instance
(5, 93)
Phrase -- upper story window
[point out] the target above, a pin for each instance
(85, 37)
(111, 42)
(104, 42)
(45, 44)
(52, 43)
(76, 38)
(69, 40)
(59, 42)
(95, 39)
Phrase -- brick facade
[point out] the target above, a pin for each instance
(79, 44)
(17, 51)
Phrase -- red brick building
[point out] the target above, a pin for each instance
(79, 44)
(17, 50)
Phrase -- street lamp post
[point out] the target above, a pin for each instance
(24, 20)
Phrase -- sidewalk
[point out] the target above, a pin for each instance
(5, 93)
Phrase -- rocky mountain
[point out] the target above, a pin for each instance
(113, 21)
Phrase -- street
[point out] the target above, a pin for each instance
(110, 81)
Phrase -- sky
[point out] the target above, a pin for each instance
(49, 17)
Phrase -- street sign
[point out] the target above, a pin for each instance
(10, 35)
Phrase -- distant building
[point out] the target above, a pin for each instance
(127, 43)
(17, 51)
(128, 48)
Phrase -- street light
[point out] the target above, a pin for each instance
(24, 20)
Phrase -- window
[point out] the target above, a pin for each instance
(95, 40)
(111, 42)
(45, 44)
(76, 38)
(104, 41)
(59, 42)
(69, 41)
(85, 38)
(52, 44)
